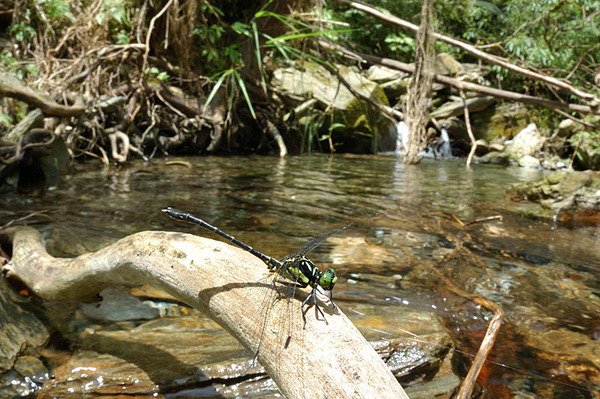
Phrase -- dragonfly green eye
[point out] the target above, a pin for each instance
(328, 279)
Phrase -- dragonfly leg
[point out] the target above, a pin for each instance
(312, 297)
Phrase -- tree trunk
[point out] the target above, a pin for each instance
(416, 112)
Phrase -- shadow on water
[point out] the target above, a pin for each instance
(408, 223)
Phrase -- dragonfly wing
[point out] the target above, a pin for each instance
(315, 242)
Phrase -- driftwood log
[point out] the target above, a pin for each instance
(322, 360)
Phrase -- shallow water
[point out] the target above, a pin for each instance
(406, 227)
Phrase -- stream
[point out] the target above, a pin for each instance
(420, 236)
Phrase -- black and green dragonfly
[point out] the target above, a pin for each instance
(296, 268)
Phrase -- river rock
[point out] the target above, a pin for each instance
(563, 191)
(456, 108)
(118, 305)
(357, 124)
(20, 332)
(566, 128)
(393, 82)
(381, 74)
(587, 145)
(528, 161)
(527, 142)
(503, 121)
(446, 65)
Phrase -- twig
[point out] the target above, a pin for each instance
(485, 220)
(32, 214)
(466, 388)
(469, 130)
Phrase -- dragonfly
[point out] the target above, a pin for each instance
(296, 268)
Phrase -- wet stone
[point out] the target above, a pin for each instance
(31, 367)
(118, 305)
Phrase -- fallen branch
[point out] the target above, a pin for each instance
(459, 84)
(469, 48)
(324, 360)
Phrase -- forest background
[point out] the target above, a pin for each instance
(115, 79)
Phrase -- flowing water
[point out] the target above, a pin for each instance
(412, 244)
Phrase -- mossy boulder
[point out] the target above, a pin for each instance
(502, 121)
(351, 123)
(575, 194)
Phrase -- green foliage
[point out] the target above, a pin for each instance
(219, 42)
(156, 74)
(400, 43)
(22, 31)
(122, 37)
(586, 143)
(6, 120)
(22, 70)
(558, 36)
(116, 14)
(56, 10)
(233, 79)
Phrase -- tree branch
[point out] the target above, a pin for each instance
(469, 48)
(459, 84)
(323, 360)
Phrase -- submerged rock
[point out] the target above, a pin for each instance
(569, 195)
(21, 332)
(118, 305)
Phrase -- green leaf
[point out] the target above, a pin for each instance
(241, 28)
(6, 120)
(217, 85)
(242, 86)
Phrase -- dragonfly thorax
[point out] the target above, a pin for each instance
(305, 272)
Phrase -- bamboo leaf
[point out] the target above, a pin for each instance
(213, 92)
(259, 58)
(242, 86)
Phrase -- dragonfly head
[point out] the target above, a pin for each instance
(328, 279)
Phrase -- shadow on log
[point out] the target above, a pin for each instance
(323, 360)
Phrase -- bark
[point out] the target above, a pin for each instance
(324, 360)
(416, 104)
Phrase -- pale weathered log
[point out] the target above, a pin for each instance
(323, 360)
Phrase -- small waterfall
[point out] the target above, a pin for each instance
(401, 137)
(444, 149)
